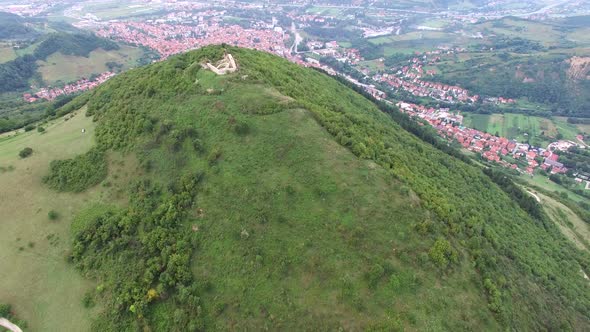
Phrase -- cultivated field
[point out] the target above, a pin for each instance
(569, 130)
(43, 289)
(515, 126)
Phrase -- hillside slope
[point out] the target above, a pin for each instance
(14, 27)
(278, 198)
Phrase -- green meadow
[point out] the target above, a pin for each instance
(36, 280)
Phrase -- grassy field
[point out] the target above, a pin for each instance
(6, 54)
(68, 68)
(112, 9)
(415, 35)
(345, 44)
(327, 11)
(580, 35)
(568, 130)
(546, 34)
(36, 279)
(545, 183)
(416, 41)
(435, 23)
(27, 50)
(570, 224)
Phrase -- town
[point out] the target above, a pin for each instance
(80, 85)
(508, 153)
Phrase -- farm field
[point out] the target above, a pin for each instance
(416, 41)
(415, 35)
(435, 23)
(114, 9)
(336, 12)
(42, 288)
(514, 126)
(546, 34)
(570, 130)
(68, 68)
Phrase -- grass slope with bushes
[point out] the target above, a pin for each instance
(278, 198)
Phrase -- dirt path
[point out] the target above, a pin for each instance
(7, 324)
(535, 196)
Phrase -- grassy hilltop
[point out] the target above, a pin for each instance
(277, 198)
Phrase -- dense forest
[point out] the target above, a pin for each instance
(15, 74)
(463, 227)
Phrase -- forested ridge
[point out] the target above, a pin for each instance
(517, 269)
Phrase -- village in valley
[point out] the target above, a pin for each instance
(525, 158)
(186, 26)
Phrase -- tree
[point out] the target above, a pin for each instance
(24, 153)
(52, 215)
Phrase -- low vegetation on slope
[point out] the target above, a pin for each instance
(276, 197)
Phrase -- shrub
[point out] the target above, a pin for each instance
(442, 253)
(26, 152)
(214, 156)
(52, 215)
(79, 173)
(29, 127)
(88, 300)
(375, 273)
(241, 128)
(40, 129)
(5, 310)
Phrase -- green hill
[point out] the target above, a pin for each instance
(14, 27)
(278, 198)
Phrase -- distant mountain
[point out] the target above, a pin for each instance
(278, 198)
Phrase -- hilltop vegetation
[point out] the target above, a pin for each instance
(278, 198)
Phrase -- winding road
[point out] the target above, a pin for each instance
(7, 324)
(298, 39)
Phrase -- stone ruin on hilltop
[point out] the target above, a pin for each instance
(223, 66)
